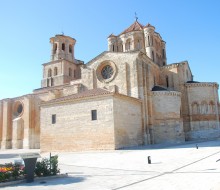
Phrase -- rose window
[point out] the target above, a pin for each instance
(107, 72)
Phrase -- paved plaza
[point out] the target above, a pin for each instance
(173, 168)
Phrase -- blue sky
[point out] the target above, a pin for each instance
(191, 29)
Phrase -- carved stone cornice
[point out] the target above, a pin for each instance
(174, 65)
(166, 93)
(202, 84)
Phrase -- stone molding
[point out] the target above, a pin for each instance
(174, 65)
(165, 93)
(202, 84)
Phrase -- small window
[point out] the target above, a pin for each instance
(164, 53)
(153, 55)
(54, 48)
(70, 72)
(53, 118)
(70, 49)
(49, 73)
(94, 114)
(63, 46)
(167, 81)
(113, 48)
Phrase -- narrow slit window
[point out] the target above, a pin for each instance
(63, 46)
(167, 81)
(94, 114)
(70, 72)
(53, 118)
(70, 49)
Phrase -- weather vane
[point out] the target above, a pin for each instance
(136, 18)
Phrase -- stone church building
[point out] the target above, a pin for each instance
(126, 96)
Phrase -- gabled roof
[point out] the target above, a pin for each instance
(136, 26)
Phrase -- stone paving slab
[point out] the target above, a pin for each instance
(173, 167)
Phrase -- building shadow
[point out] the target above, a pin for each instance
(53, 182)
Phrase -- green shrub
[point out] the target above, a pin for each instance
(47, 167)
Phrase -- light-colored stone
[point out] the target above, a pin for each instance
(139, 99)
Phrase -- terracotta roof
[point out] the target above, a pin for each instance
(136, 26)
(87, 93)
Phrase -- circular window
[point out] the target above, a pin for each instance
(106, 71)
(18, 109)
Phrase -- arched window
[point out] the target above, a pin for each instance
(70, 49)
(164, 53)
(63, 46)
(128, 45)
(148, 41)
(49, 73)
(167, 81)
(54, 48)
(153, 55)
(204, 107)
(74, 73)
(70, 72)
(138, 44)
(55, 71)
(195, 108)
(113, 47)
(211, 107)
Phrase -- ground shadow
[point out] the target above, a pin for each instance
(55, 181)
(187, 144)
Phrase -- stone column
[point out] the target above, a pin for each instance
(7, 124)
(1, 121)
(17, 133)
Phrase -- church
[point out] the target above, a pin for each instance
(126, 96)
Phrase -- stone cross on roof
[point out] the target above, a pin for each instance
(136, 18)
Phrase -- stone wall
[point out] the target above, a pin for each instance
(74, 130)
(167, 125)
(203, 110)
(128, 122)
(125, 75)
(19, 122)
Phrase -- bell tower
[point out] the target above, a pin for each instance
(62, 47)
(63, 67)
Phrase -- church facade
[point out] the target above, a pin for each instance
(126, 96)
